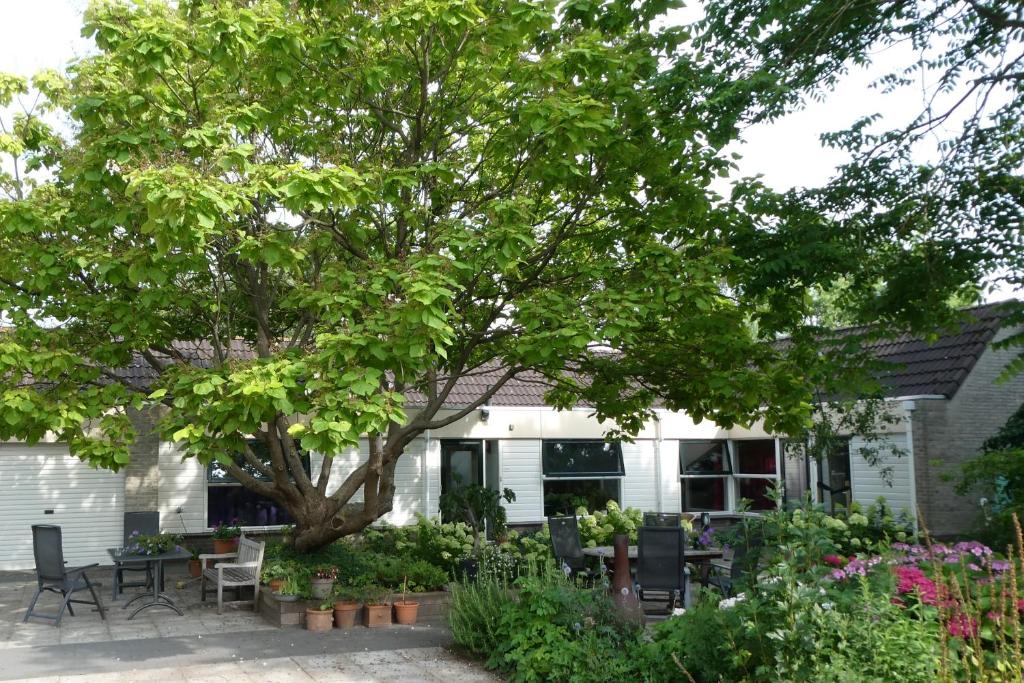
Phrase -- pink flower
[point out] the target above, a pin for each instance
(962, 626)
(834, 560)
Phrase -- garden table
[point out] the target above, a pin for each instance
(700, 557)
(155, 599)
(696, 556)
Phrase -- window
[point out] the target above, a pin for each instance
(716, 472)
(580, 473)
(756, 471)
(228, 500)
(705, 467)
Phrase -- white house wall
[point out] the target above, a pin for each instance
(521, 472)
(867, 481)
(182, 487)
(640, 485)
(671, 489)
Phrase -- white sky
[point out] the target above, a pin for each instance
(38, 34)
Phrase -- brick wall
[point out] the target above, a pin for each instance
(948, 432)
(142, 475)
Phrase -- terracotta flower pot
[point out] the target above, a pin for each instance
(195, 568)
(275, 585)
(345, 614)
(225, 545)
(406, 612)
(320, 588)
(378, 616)
(317, 620)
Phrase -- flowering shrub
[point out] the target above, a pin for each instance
(155, 544)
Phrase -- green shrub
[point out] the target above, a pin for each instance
(474, 614)
(550, 630)
(790, 630)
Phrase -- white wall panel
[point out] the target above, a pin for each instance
(88, 504)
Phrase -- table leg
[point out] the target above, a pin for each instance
(113, 584)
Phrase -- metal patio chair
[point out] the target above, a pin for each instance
(666, 519)
(567, 547)
(53, 575)
(146, 524)
(661, 563)
(243, 572)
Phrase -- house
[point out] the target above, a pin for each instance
(943, 394)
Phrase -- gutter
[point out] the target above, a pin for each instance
(909, 407)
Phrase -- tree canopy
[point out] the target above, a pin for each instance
(285, 217)
(943, 180)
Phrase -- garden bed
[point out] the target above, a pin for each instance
(433, 604)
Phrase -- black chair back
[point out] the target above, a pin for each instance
(668, 519)
(565, 541)
(661, 559)
(146, 523)
(48, 548)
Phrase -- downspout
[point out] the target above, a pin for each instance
(426, 472)
(657, 462)
(909, 406)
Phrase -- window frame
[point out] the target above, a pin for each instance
(545, 477)
(733, 478)
(592, 475)
(726, 476)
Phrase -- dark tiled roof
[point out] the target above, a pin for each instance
(916, 367)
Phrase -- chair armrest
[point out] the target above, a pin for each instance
(235, 565)
(214, 556)
(79, 570)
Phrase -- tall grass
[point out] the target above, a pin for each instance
(980, 621)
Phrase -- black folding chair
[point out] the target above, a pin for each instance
(661, 563)
(727, 574)
(566, 545)
(145, 524)
(54, 576)
(668, 519)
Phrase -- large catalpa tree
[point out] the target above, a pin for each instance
(340, 203)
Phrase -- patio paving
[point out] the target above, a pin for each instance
(160, 645)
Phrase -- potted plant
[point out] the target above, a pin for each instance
(321, 583)
(480, 507)
(195, 567)
(225, 537)
(406, 611)
(320, 617)
(289, 590)
(273, 574)
(378, 611)
(346, 606)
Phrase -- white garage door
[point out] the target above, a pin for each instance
(42, 484)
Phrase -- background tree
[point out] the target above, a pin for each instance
(285, 217)
(944, 183)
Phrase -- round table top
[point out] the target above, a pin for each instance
(608, 552)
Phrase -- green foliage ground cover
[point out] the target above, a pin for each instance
(854, 597)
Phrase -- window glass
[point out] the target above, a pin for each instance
(216, 474)
(704, 494)
(582, 458)
(756, 491)
(704, 457)
(755, 456)
(229, 503)
(563, 496)
(227, 500)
